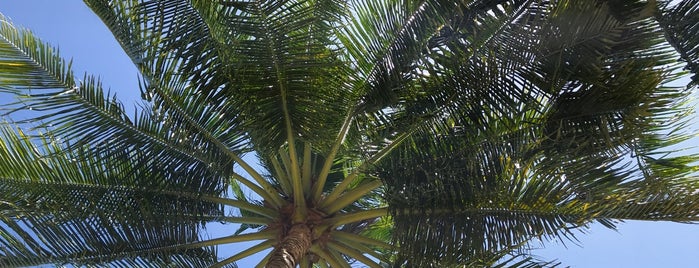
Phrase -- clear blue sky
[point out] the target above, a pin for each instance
(81, 35)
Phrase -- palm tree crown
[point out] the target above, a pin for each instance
(424, 133)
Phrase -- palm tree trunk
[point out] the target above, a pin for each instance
(294, 246)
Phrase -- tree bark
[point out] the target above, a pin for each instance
(294, 246)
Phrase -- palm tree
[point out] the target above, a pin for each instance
(425, 133)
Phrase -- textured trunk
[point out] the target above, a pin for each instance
(294, 246)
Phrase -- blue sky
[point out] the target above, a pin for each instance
(80, 35)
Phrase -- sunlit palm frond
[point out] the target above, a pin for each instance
(79, 207)
(166, 49)
(83, 114)
(182, 30)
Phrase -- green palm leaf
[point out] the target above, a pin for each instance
(458, 187)
(389, 133)
(680, 24)
(91, 206)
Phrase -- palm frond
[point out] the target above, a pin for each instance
(264, 45)
(79, 207)
(681, 25)
(166, 49)
(464, 210)
(83, 114)
(479, 126)
(523, 261)
(289, 79)
(586, 112)
(387, 41)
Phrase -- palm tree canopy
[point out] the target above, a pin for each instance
(424, 133)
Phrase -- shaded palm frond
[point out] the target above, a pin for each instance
(286, 74)
(681, 25)
(276, 62)
(577, 133)
(394, 43)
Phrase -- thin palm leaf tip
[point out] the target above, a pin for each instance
(387, 133)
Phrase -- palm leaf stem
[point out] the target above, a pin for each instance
(34, 261)
(245, 253)
(346, 182)
(132, 130)
(377, 157)
(349, 179)
(306, 168)
(281, 176)
(128, 128)
(351, 196)
(345, 236)
(343, 219)
(486, 211)
(247, 220)
(286, 161)
(264, 260)
(296, 183)
(243, 206)
(300, 211)
(342, 186)
(330, 158)
(337, 256)
(208, 218)
(254, 187)
(362, 248)
(274, 198)
(332, 259)
(64, 79)
(323, 264)
(267, 234)
(353, 253)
